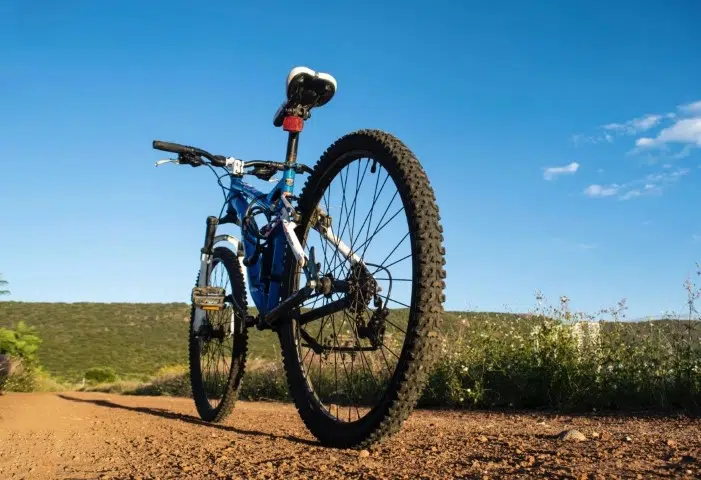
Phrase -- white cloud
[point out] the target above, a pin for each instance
(630, 194)
(687, 131)
(586, 246)
(693, 108)
(644, 142)
(630, 127)
(684, 152)
(601, 190)
(651, 184)
(580, 139)
(671, 136)
(552, 172)
(637, 125)
(647, 189)
(680, 173)
(696, 237)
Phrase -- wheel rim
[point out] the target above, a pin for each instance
(216, 345)
(368, 214)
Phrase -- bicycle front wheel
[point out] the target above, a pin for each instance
(370, 214)
(218, 351)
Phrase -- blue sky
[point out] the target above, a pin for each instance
(561, 138)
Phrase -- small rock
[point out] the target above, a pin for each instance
(364, 454)
(595, 435)
(572, 436)
(628, 439)
(482, 439)
(434, 449)
(322, 468)
(671, 443)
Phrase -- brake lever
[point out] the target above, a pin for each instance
(166, 160)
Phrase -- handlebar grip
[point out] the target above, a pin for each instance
(172, 147)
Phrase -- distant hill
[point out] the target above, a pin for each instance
(137, 339)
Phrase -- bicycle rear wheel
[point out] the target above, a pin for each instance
(356, 375)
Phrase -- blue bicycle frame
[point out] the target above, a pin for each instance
(266, 268)
(240, 198)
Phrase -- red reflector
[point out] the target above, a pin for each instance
(292, 124)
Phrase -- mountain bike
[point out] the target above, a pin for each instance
(357, 325)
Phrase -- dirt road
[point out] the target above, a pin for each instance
(81, 436)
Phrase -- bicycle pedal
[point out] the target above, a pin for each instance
(208, 298)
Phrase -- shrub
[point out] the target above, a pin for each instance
(22, 378)
(20, 342)
(172, 380)
(264, 380)
(100, 375)
(18, 348)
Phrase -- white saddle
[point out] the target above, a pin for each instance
(306, 89)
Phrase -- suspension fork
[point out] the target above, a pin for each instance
(205, 267)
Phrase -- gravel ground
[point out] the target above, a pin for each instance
(98, 436)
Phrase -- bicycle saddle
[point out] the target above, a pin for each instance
(306, 89)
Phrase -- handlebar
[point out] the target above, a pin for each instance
(172, 147)
(191, 156)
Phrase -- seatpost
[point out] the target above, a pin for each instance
(292, 141)
(293, 125)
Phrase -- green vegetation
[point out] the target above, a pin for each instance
(20, 370)
(133, 339)
(20, 342)
(549, 364)
(551, 357)
(100, 375)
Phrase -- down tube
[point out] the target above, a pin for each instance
(278, 265)
(239, 203)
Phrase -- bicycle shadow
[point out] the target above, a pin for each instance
(163, 413)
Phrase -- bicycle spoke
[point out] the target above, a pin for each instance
(364, 213)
